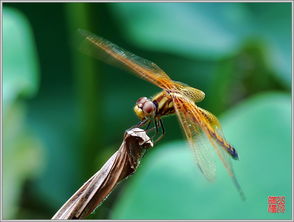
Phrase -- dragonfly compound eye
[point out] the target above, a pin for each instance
(149, 108)
(140, 102)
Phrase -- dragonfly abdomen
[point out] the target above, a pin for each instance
(231, 150)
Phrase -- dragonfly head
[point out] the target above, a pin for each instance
(145, 108)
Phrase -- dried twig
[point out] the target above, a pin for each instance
(120, 165)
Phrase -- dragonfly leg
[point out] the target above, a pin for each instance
(147, 127)
(138, 125)
(159, 124)
(162, 129)
(142, 123)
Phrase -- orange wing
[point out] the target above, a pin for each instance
(110, 53)
(115, 55)
(203, 133)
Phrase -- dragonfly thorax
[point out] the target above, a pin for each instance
(145, 108)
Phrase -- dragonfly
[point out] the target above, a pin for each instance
(201, 128)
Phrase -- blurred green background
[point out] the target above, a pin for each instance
(64, 113)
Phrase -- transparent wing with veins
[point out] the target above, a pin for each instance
(204, 135)
(108, 52)
(196, 138)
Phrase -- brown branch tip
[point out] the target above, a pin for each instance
(119, 166)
